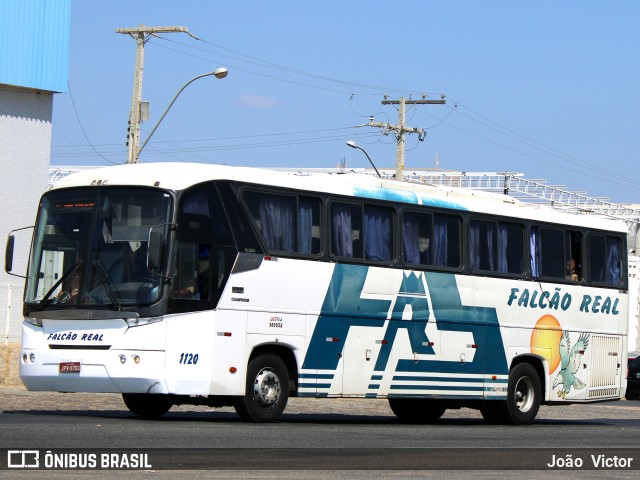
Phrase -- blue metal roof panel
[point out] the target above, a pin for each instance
(34, 43)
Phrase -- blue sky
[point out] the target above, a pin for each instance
(547, 88)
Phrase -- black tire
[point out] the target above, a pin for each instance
(417, 410)
(267, 390)
(524, 395)
(630, 396)
(147, 405)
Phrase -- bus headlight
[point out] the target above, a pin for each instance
(36, 322)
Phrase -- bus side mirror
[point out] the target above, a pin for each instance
(8, 254)
(156, 251)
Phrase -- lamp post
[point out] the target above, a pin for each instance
(353, 144)
(218, 73)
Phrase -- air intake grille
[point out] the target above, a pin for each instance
(605, 366)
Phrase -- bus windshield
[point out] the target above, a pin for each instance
(90, 248)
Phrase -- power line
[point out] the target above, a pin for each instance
(545, 148)
(268, 64)
(503, 130)
(604, 175)
(527, 141)
(82, 128)
(533, 156)
(206, 148)
(236, 137)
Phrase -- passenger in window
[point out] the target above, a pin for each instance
(423, 247)
(186, 290)
(573, 272)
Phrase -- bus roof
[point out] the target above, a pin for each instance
(178, 176)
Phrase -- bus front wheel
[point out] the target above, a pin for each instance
(267, 390)
(147, 405)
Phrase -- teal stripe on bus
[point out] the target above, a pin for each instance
(447, 379)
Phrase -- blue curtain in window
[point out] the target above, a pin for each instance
(440, 239)
(503, 265)
(410, 239)
(533, 244)
(474, 246)
(491, 246)
(341, 223)
(197, 204)
(277, 222)
(377, 233)
(614, 270)
(305, 225)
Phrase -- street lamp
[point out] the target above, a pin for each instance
(353, 144)
(218, 73)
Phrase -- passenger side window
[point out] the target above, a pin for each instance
(573, 256)
(605, 260)
(550, 253)
(417, 235)
(496, 246)
(556, 253)
(431, 239)
(286, 223)
(446, 241)
(205, 253)
(362, 232)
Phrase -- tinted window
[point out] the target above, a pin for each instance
(446, 241)
(378, 226)
(417, 234)
(205, 251)
(286, 223)
(605, 259)
(431, 239)
(496, 247)
(362, 231)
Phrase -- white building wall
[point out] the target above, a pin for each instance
(25, 145)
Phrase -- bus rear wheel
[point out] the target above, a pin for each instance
(523, 398)
(418, 410)
(267, 390)
(147, 405)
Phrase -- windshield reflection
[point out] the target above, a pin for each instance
(90, 248)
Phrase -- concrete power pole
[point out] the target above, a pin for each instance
(401, 129)
(140, 34)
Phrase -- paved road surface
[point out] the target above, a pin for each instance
(368, 441)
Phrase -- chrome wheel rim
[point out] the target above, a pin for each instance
(266, 388)
(524, 394)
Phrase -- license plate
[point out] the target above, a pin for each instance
(69, 367)
(638, 375)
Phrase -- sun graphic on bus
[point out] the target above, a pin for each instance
(545, 340)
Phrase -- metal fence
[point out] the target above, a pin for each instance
(11, 312)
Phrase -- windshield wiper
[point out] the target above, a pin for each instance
(68, 274)
(107, 283)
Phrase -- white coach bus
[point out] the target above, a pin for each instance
(199, 284)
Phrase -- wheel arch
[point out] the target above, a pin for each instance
(287, 356)
(541, 366)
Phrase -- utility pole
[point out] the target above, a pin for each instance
(401, 129)
(140, 34)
